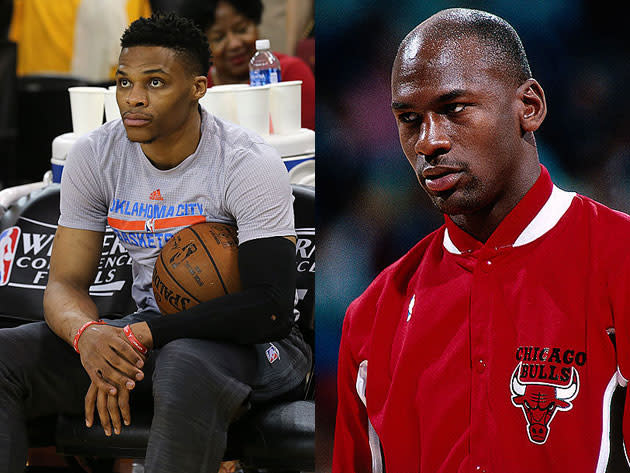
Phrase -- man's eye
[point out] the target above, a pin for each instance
(456, 107)
(408, 117)
(123, 83)
(156, 82)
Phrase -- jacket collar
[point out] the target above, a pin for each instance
(537, 213)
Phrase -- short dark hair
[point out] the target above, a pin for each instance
(173, 32)
(203, 13)
(505, 46)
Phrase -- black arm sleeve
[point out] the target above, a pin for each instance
(261, 312)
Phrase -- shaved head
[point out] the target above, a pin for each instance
(499, 41)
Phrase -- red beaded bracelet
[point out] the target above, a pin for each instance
(75, 342)
(134, 341)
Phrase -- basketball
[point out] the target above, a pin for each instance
(197, 264)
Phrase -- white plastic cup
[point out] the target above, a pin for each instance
(87, 105)
(285, 107)
(112, 112)
(219, 101)
(252, 108)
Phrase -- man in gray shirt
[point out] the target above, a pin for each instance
(165, 165)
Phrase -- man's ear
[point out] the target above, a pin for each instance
(200, 84)
(532, 105)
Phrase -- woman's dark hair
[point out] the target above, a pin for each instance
(203, 12)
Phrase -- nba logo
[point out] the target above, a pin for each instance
(272, 353)
(8, 244)
(149, 225)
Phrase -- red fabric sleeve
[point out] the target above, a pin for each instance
(293, 68)
(621, 313)
(352, 450)
(615, 261)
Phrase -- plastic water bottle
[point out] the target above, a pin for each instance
(264, 67)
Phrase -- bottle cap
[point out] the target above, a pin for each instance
(262, 44)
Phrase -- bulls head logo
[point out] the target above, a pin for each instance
(541, 401)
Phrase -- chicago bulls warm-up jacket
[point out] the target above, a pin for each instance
(509, 356)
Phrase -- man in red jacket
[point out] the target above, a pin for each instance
(500, 342)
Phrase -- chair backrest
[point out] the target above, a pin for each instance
(27, 231)
(304, 209)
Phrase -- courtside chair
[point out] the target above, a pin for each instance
(277, 436)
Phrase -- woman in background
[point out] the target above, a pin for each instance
(232, 30)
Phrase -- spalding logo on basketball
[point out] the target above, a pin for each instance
(198, 264)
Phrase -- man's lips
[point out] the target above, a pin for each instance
(136, 119)
(440, 179)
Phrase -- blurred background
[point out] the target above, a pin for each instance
(371, 209)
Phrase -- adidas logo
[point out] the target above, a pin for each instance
(155, 195)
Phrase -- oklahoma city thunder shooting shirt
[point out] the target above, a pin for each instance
(232, 177)
(508, 357)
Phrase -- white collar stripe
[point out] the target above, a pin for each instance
(449, 245)
(556, 206)
(549, 215)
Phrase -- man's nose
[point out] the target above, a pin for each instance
(432, 140)
(137, 96)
